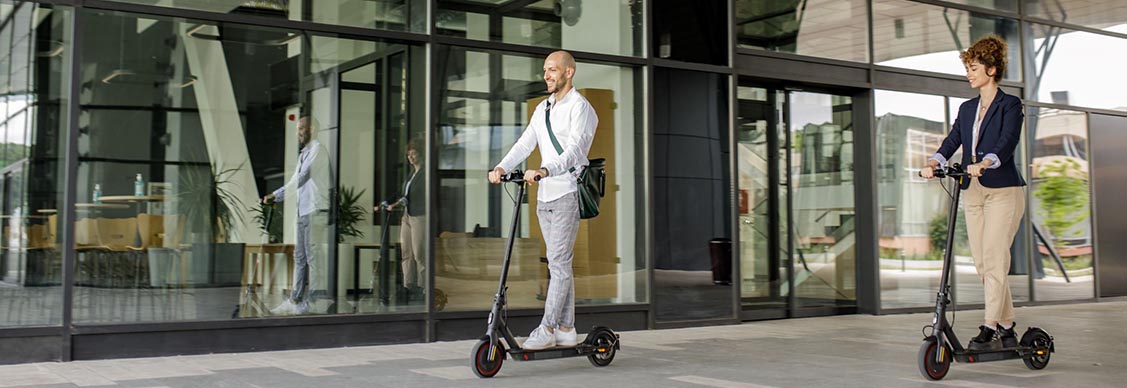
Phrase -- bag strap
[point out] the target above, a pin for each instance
(551, 134)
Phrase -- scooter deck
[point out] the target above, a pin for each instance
(973, 356)
(582, 349)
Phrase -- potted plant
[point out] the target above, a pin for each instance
(349, 216)
(269, 219)
(349, 213)
(208, 206)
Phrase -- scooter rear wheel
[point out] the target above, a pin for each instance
(930, 367)
(1037, 339)
(482, 367)
(605, 342)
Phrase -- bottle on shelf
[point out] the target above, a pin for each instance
(97, 193)
(139, 186)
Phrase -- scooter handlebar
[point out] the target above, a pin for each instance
(954, 171)
(515, 176)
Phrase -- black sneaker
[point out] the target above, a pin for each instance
(1009, 338)
(986, 339)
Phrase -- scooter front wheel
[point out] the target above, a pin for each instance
(931, 366)
(606, 345)
(482, 366)
(1042, 347)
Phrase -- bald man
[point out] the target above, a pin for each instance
(563, 126)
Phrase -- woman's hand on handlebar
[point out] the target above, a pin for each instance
(495, 175)
(929, 171)
(976, 170)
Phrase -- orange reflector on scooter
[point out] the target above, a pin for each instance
(1040, 352)
(601, 350)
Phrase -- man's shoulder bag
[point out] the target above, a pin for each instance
(592, 180)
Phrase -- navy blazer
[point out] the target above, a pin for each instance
(998, 135)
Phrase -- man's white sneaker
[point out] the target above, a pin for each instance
(286, 308)
(566, 338)
(539, 339)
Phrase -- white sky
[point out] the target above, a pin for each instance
(1088, 66)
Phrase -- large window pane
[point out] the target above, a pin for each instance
(834, 29)
(608, 27)
(33, 119)
(909, 130)
(926, 37)
(1088, 13)
(913, 225)
(485, 98)
(823, 209)
(1060, 204)
(186, 126)
(1063, 74)
(399, 15)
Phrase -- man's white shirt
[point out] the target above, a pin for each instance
(573, 122)
(311, 178)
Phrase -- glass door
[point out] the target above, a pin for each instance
(794, 153)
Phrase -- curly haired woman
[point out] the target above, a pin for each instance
(988, 129)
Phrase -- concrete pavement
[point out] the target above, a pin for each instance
(841, 351)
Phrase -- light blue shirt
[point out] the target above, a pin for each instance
(311, 178)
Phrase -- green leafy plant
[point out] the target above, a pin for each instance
(205, 199)
(937, 234)
(349, 213)
(1063, 196)
(264, 213)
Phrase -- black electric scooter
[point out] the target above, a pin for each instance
(255, 306)
(487, 356)
(941, 345)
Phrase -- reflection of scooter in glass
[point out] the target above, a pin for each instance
(382, 273)
(383, 268)
(600, 345)
(941, 345)
(253, 303)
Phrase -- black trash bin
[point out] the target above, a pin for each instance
(720, 249)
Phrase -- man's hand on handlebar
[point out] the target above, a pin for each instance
(495, 175)
(929, 172)
(533, 176)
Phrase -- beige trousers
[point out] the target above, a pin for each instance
(993, 216)
(412, 231)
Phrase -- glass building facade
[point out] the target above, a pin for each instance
(760, 166)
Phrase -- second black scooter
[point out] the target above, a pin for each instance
(941, 345)
(487, 356)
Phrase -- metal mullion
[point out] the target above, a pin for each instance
(691, 66)
(430, 330)
(1093, 215)
(648, 162)
(178, 326)
(970, 8)
(1074, 27)
(734, 276)
(70, 154)
(511, 48)
(799, 57)
(792, 299)
(1101, 111)
(334, 30)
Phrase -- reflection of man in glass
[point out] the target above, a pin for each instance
(310, 178)
(563, 126)
(412, 228)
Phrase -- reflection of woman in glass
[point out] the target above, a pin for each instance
(988, 129)
(412, 229)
